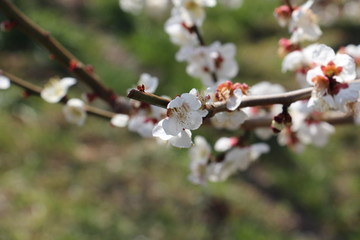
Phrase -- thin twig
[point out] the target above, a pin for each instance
(60, 53)
(35, 90)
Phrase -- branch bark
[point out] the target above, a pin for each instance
(35, 90)
(60, 53)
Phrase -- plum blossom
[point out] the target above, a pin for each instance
(232, 3)
(300, 61)
(229, 120)
(149, 82)
(56, 89)
(136, 6)
(308, 125)
(331, 78)
(180, 33)
(231, 93)
(303, 24)
(261, 89)
(183, 113)
(192, 11)
(225, 143)
(143, 117)
(354, 52)
(4, 82)
(75, 112)
(200, 154)
(238, 158)
(119, 120)
(288, 137)
(204, 62)
(301, 20)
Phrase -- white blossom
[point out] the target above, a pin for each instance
(225, 143)
(180, 33)
(183, 113)
(303, 24)
(331, 78)
(229, 120)
(119, 120)
(203, 62)
(238, 158)
(150, 83)
(56, 89)
(200, 154)
(75, 112)
(192, 11)
(4, 82)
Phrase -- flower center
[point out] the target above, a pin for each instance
(331, 70)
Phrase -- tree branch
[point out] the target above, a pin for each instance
(35, 90)
(60, 53)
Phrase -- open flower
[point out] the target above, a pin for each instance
(303, 24)
(149, 82)
(180, 33)
(75, 112)
(56, 89)
(331, 80)
(238, 158)
(204, 62)
(300, 61)
(183, 113)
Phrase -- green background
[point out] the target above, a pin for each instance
(59, 181)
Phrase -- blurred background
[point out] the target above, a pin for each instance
(59, 181)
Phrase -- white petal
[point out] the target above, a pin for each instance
(172, 126)
(193, 101)
(235, 100)
(224, 143)
(182, 140)
(159, 132)
(347, 63)
(150, 82)
(67, 82)
(74, 111)
(4, 82)
(323, 54)
(120, 120)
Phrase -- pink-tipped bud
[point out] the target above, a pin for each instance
(7, 25)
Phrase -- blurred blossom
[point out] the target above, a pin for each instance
(56, 89)
(192, 11)
(180, 33)
(232, 3)
(229, 120)
(4, 82)
(303, 24)
(150, 83)
(75, 112)
(238, 158)
(216, 59)
(300, 61)
(200, 155)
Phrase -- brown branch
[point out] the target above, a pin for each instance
(288, 3)
(35, 90)
(59, 52)
(248, 101)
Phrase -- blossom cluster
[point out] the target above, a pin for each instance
(330, 74)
